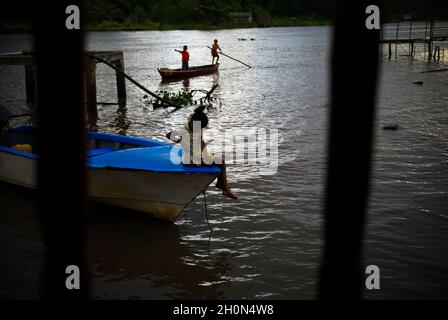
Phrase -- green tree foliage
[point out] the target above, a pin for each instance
(156, 13)
(199, 11)
(217, 11)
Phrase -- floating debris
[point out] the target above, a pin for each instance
(390, 127)
(181, 98)
(435, 70)
(418, 82)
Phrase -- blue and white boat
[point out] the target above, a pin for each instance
(128, 172)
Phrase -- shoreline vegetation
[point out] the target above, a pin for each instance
(135, 15)
(156, 26)
(108, 25)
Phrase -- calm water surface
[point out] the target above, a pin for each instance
(268, 243)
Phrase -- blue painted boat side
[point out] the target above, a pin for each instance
(18, 152)
(22, 128)
(141, 142)
(149, 155)
(137, 141)
(155, 159)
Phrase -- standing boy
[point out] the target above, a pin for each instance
(185, 58)
(215, 48)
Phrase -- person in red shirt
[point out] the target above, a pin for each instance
(185, 58)
(215, 48)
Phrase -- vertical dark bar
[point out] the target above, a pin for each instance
(353, 86)
(30, 84)
(61, 172)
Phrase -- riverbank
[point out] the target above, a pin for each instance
(107, 25)
(154, 26)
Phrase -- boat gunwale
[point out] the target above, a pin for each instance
(168, 73)
(16, 152)
(140, 143)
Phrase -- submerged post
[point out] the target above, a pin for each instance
(121, 81)
(396, 40)
(430, 43)
(90, 83)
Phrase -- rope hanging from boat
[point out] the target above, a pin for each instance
(132, 80)
(206, 214)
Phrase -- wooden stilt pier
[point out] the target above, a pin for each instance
(408, 36)
(27, 59)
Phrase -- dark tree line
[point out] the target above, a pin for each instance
(217, 11)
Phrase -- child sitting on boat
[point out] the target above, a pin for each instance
(192, 133)
(185, 57)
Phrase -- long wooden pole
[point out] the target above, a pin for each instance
(231, 58)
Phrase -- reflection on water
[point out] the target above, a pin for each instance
(149, 254)
(121, 121)
(186, 84)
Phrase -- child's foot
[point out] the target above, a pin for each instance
(230, 194)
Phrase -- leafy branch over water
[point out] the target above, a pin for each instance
(181, 98)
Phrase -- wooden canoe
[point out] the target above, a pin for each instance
(169, 74)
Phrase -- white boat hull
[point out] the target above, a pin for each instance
(161, 195)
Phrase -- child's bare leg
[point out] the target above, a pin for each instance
(223, 184)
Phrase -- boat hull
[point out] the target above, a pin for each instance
(173, 74)
(159, 194)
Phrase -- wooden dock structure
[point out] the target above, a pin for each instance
(425, 39)
(28, 60)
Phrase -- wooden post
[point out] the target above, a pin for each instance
(390, 50)
(431, 33)
(438, 53)
(90, 82)
(412, 50)
(429, 50)
(396, 40)
(410, 40)
(121, 81)
(30, 84)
